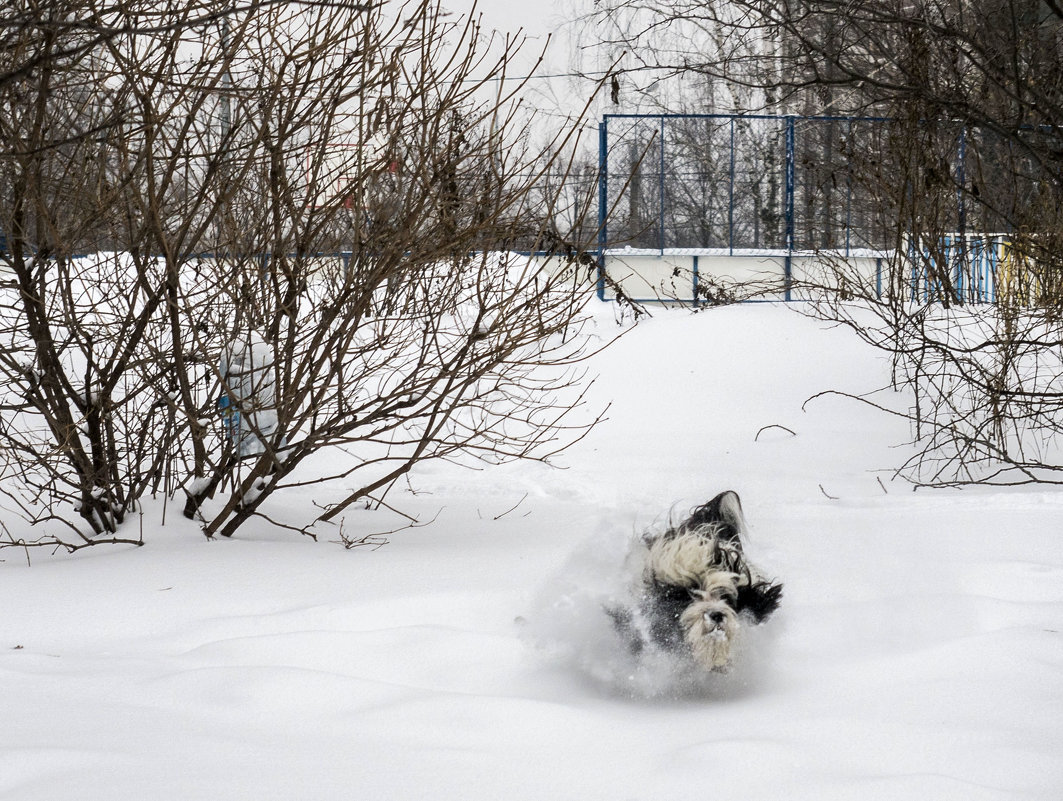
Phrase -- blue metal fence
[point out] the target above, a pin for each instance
(976, 268)
(791, 183)
(735, 181)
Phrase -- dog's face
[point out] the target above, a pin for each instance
(710, 622)
(703, 600)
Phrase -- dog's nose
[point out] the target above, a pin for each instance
(715, 617)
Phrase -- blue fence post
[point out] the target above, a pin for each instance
(976, 282)
(789, 200)
(961, 210)
(603, 201)
(961, 180)
(916, 268)
(790, 159)
(994, 268)
(731, 195)
(849, 190)
(660, 192)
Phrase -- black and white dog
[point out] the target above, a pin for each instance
(696, 588)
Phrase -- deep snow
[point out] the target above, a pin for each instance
(918, 653)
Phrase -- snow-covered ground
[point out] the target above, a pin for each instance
(918, 653)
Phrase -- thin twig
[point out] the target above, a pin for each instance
(773, 425)
(510, 509)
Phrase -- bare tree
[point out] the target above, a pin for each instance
(969, 313)
(303, 206)
(968, 174)
(958, 176)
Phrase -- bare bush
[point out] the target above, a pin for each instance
(296, 208)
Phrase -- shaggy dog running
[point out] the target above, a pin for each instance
(696, 588)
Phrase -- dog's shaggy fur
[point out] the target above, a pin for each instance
(696, 589)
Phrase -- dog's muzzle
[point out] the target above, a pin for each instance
(714, 625)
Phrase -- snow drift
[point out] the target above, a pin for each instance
(918, 652)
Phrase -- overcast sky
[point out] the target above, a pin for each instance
(544, 22)
(534, 16)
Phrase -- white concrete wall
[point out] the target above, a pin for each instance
(669, 276)
(651, 276)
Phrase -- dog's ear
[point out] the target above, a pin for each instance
(731, 511)
(760, 599)
(726, 510)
